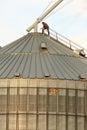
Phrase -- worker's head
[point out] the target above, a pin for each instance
(42, 22)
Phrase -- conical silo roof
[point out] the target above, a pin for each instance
(38, 56)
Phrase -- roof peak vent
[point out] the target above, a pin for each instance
(43, 45)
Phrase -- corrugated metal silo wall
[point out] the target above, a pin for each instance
(43, 104)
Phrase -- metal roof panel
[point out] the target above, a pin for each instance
(26, 57)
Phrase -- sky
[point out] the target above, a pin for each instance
(69, 18)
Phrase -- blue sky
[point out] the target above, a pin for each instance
(68, 19)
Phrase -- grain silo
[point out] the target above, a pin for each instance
(43, 85)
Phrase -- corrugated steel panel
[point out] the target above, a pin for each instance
(26, 57)
(55, 105)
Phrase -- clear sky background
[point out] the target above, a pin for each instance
(68, 19)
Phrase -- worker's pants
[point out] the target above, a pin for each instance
(47, 31)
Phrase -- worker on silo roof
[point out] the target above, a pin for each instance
(45, 26)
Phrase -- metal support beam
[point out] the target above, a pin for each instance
(38, 20)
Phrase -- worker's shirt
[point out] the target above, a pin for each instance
(45, 26)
